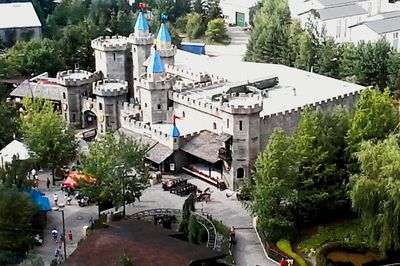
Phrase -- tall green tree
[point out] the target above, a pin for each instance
(187, 208)
(16, 227)
(117, 164)
(15, 174)
(305, 57)
(394, 74)
(375, 191)
(9, 123)
(213, 10)
(47, 136)
(275, 192)
(328, 57)
(269, 40)
(374, 118)
(194, 26)
(347, 61)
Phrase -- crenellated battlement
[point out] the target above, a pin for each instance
(170, 52)
(196, 77)
(182, 86)
(76, 78)
(242, 103)
(201, 105)
(164, 84)
(110, 87)
(324, 103)
(141, 40)
(110, 43)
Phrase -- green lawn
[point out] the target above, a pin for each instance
(285, 246)
(350, 232)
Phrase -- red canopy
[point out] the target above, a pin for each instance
(73, 177)
(70, 182)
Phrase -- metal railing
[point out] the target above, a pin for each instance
(155, 212)
(211, 231)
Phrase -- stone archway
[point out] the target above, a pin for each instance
(89, 119)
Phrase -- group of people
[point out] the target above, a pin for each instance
(57, 253)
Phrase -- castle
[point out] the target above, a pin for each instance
(212, 125)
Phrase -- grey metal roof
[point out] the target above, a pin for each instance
(390, 24)
(329, 13)
(156, 152)
(45, 91)
(391, 14)
(204, 146)
(338, 2)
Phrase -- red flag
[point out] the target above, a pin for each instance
(174, 117)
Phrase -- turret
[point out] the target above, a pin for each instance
(164, 45)
(142, 41)
(156, 68)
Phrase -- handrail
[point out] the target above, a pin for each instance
(211, 241)
(152, 212)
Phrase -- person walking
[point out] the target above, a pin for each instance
(61, 238)
(60, 255)
(48, 183)
(55, 196)
(57, 253)
(54, 233)
(70, 236)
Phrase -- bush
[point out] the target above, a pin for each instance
(221, 228)
(194, 26)
(193, 229)
(285, 246)
(216, 29)
(181, 23)
(277, 229)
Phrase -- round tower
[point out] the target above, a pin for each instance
(241, 119)
(112, 57)
(110, 93)
(164, 45)
(142, 41)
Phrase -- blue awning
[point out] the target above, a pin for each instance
(42, 201)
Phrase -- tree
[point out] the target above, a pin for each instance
(193, 229)
(194, 26)
(198, 6)
(9, 123)
(47, 136)
(371, 65)
(15, 174)
(375, 191)
(32, 260)
(187, 208)
(394, 74)
(321, 182)
(305, 57)
(374, 118)
(274, 191)
(35, 57)
(295, 33)
(16, 227)
(117, 164)
(328, 56)
(216, 30)
(213, 10)
(269, 40)
(347, 61)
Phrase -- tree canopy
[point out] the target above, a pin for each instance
(46, 134)
(9, 123)
(115, 163)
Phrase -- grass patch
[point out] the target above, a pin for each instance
(350, 232)
(285, 246)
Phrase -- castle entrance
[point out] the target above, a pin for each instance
(90, 119)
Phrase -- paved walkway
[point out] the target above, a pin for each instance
(235, 50)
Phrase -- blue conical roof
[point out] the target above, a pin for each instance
(175, 132)
(163, 34)
(156, 64)
(141, 22)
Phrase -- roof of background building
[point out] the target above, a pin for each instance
(45, 91)
(338, 2)
(391, 14)
(389, 24)
(240, 3)
(208, 152)
(145, 242)
(18, 15)
(296, 87)
(329, 13)
(141, 22)
(163, 34)
(156, 64)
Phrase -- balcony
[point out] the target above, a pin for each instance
(225, 154)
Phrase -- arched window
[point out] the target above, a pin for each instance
(214, 126)
(240, 173)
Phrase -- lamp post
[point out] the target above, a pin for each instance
(63, 225)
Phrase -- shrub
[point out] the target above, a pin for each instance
(277, 229)
(285, 246)
(194, 26)
(216, 29)
(193, 229)
(181, 23)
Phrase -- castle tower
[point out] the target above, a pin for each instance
(164, 45)
(142, 41)
(78, 85)
(241, 119)
(109, 94)
(113, 57)
(154, 91)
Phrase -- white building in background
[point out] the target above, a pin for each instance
(237, 12)
(19, 21)
(350, 20)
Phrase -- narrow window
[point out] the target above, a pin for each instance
(73, 117)
(145, 105)
(227, 123)
(159, 106)
(65, 116)
(183, 114)
(64, 96)
(240, 173)
(100, 106)
(114, 56)
(214, 126)
(240, 125)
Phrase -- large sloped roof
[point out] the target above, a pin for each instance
(389, 24)
(156, 64)
(18, 15)
(14, 148)
(329, 13)
(44, 91)
(338, 2)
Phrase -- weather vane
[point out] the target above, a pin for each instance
(163, 17)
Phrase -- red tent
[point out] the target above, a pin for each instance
(73, 177)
